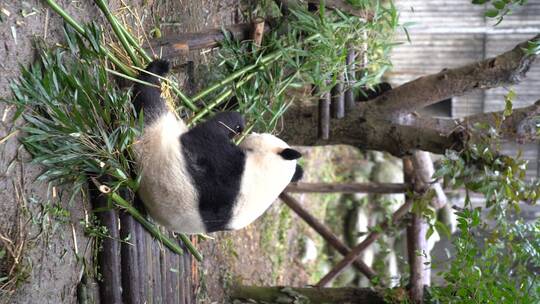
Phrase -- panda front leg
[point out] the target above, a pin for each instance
(147, 98)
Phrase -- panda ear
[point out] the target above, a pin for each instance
(290, 154)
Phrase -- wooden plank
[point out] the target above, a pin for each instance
(109, 255)
(380, 188)
(129, 260)
(327, 235)
(370, 239)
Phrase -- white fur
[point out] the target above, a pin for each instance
(166, 186)
(168, 190)
(265, 176)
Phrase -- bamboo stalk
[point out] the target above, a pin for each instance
(134, 43)
(219, 99)
(128, 71)
(118, 31)
(348, 188)
(118, 200)
(264, 60)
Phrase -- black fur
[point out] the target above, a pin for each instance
(378, 89)
(290, 154)
(217, 176)
(298, 174)
(147, 98)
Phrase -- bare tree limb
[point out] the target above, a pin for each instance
(520, 126)
(366, 130)
(504, 69)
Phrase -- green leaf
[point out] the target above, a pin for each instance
(491, 13)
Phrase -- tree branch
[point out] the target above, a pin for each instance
(504, 69)
(520, 126)
(366, 130)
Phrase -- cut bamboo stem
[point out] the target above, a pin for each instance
(380, 188)
(258, 31)
(323, 231)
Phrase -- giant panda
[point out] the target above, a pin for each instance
(196, 180)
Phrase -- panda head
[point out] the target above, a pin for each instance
(274, 151)
(229, 124)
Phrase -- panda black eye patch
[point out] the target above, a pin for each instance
(290, 154)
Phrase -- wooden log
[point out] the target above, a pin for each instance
(351, 76)
(129, 260)
(180, 44)
(324, 117)
(338, 98)
(372, 237)
(380, 188)
(109, 255)
(327, 235)
(281, 294)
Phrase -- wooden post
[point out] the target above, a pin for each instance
(327, 235)
(351, 71)
(324, 116)
(338, 98)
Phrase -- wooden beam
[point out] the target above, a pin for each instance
(327, 235)
(379, 188)
(370, 239)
